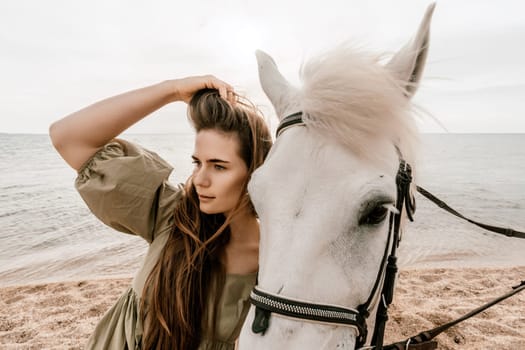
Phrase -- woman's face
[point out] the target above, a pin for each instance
(220, 172)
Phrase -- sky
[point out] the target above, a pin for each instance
(57, 56)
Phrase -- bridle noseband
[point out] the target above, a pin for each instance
(267, 303)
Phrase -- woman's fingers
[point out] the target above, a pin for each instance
(226, 91)
(231, 98)
(223, 91)
(187, 87)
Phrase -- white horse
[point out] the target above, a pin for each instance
(326, 189)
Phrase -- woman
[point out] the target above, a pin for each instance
(192, 290)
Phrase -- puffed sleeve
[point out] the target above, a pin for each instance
(127, 188)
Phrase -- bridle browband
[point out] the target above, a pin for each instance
(267, 303)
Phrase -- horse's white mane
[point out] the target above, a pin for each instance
(351, 97)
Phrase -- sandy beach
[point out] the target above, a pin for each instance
(62, 315)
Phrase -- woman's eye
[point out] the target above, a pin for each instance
(374, 216)
(196, 163)
(219, 167)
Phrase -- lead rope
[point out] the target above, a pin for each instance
(501, 230)
(424, 340)
(418, 341)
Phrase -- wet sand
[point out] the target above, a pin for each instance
(62, 315)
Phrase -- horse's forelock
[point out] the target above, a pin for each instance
(350, 96)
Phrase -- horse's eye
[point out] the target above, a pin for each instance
(374, 216)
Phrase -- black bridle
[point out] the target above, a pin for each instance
(266, 303)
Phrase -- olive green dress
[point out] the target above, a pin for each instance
(126, 187)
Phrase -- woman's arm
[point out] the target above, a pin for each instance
(78, 136)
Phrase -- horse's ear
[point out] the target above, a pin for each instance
(282, 95)
(409, 62)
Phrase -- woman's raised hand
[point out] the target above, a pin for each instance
(185, 88)
(79, 135)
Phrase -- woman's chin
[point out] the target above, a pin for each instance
(207, 210)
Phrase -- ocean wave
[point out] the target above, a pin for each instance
(47, 233)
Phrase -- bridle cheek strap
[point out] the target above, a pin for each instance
(404, 201)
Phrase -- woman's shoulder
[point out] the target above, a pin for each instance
(121, 158)
(126, 186)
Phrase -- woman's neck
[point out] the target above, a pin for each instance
(241, 254)
(244, 229)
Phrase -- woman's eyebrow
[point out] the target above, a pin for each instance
(213, 160)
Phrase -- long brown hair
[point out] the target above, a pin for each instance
(175, 297)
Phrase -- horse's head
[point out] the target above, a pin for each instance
(326, 189)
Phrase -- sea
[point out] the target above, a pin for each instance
(47, 233)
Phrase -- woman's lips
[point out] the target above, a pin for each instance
(203, 198)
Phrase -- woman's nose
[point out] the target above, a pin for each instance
(201, 178)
